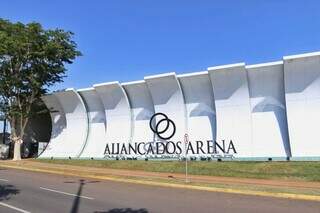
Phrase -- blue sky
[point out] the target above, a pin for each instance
(126, 40)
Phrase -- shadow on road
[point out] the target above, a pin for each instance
(124, 210)
(7, 190)
(76, 201)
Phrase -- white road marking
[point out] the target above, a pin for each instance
(66, 193)
(13, 207)
(4, 180)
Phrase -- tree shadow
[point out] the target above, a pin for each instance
(7, 191)
(76, 201)
(124, 210)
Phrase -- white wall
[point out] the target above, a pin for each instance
(268, 108)
(199, 101)
(96, 140)
(59, 125)
(168, 98)
(142, 109)
(233, 111)
(302, 88)
(70, 124)
(117, 110)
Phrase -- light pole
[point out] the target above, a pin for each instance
(186, 141)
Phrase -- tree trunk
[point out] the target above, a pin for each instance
(16, 139)
(17, 149)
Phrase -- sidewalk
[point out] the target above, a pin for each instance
(277, 186)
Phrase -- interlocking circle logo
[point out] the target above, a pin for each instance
(162, 126)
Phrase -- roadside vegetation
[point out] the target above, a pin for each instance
(307, 171)
(32, 59)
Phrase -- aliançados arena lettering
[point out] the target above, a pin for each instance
(171, 148)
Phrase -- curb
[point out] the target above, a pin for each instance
(174, 185)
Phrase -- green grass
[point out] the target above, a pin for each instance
(308, 171)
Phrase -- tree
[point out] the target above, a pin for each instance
(31, 60)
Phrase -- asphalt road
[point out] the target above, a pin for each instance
(22, 191)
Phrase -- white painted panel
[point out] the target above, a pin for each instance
(167, 98)
(73, 138)
(59, 125)
(117, 110)
(269, 121)
(232, 106)
(302, 88)
(77, 122)
(199, 101)
(96, 141)
(142, 109)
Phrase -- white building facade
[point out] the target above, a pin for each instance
(266, 111)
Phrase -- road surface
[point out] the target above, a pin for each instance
(22, 191)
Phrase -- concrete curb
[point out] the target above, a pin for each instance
(174, 185)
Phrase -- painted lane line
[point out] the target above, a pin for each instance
(13, 207)
(4, 180)
(66, 193)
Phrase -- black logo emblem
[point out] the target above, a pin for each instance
(160, 132)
